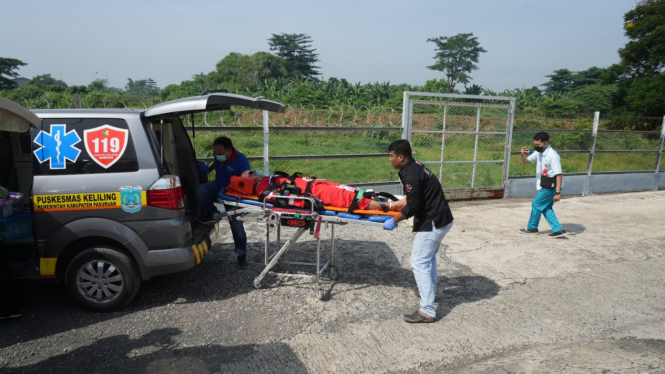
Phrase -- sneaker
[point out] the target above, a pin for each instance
(242, 262)
(527, 231)
(558, 234)
(416, 317)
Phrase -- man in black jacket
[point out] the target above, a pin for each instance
(432, 221)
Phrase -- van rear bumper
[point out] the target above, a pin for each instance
(173, 260)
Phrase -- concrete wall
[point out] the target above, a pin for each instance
(573, 184)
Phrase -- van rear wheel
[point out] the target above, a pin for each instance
(102, 279)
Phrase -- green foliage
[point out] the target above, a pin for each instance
(595, 98)
(303, 95)
(573, 141)
(98, 84)
(640, 74)
(560, 82)
(436, 85)
(561, 107)
(564, 81)
(142, 87)
(239, 69)
(456, 56)
(8, 67)
(297, 53)
(46, 81)
(76, 90)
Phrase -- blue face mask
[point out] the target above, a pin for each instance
(220, 158)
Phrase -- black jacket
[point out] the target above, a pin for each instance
(424, 197)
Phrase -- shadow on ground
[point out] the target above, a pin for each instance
(362, 264)
(154, 352)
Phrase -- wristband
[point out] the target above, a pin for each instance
(557, 193)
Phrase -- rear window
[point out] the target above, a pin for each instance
(83, 146)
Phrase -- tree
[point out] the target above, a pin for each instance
(436, 86)
(142, 87)
(98, 84)
(456, 56)
(640, 76)
(46, 80)
(8, 68)
(588, 77)
(296, 51)
(561, 82)
(243, 70)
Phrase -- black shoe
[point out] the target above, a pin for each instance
(527, 231)
(242, 262)
(558, 234)
(416, 317)
(207, 219)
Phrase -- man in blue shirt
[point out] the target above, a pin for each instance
(549, 181)
(228, 163)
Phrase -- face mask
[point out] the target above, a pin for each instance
(539, 149)
(220, 158)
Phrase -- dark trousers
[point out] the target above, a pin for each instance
(10, 301)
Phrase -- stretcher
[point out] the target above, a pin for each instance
(250, 210)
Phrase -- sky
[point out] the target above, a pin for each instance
(361, 41)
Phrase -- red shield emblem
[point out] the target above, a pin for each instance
(105, 144)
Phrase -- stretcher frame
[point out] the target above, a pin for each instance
(275, 216)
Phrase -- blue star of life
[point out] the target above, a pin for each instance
(57, 146)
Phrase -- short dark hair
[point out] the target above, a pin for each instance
(224, 142)
(401, 147)
(542, 136)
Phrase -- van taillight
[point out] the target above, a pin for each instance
(166, 193)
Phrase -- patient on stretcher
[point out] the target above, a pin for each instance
(331, 194)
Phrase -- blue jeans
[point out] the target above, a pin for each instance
(207, 195)
(423, 261)
(542, 204)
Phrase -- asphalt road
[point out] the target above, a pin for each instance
(507, 303)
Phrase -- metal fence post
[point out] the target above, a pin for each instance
(266, 142)
(659, 156)
(509, 145)
(77, 100)
(406, 101)
(443, 142)
(475, 148)
(587, 181)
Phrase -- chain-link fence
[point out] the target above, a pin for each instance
(462, 139)
(615, 149)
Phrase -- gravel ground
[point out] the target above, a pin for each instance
(506, 303)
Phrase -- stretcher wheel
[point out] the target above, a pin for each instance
(319, 294)
(256, 283)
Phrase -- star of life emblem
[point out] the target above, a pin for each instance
(57, 146)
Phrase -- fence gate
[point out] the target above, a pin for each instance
(464, 139)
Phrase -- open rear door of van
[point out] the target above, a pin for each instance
(15, 118)
(212, 102)
(162, 119)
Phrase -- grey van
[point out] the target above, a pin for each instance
(111, 194)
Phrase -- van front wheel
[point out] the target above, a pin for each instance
(102, 279)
